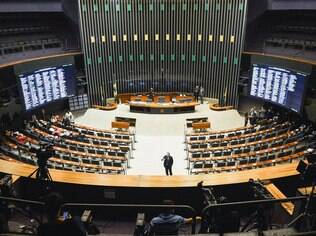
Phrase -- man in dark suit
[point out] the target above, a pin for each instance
(167, 163)
(196, 93)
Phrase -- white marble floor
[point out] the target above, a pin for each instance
(157, 134)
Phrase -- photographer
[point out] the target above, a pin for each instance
(45, 152)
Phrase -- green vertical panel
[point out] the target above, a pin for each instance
(196, 7)
(229, 6)
(172, 58)
(173, 7)
(106, 7)
(99, 60)
(131, 58)
(206, 6)
(84, 7)
(218, 6)
(120, 58)
(193, 58)
(162, 57)
(162, 7)
(152, 57)
(204, 58)
(241, 6)
(95, 7)
(151, 7)
(89, 61)
(225, 60)
(129, 7)
(235, 60)
(214, 59)
(141, 57)
(117, 7)
(184, 7)
(140, 7)
(182, 57)
(110, 59)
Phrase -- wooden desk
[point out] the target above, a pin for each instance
(216, 107)
(306, 190)
(162, 108)
(190, 121)
(228, 130)
(277, 194)
(127, 97)
(243, 155)
(248, 144)
(201, 125)
(174, 181)
(131, 121)
(120, 125)
(109, 107)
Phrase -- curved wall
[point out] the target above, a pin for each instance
(168, 45)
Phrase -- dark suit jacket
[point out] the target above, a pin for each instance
(168, 162)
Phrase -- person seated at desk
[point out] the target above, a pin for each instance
(167, 223)
(81, 137)
(68, 119)
(67, 226)
(20, 138)
(53, 119)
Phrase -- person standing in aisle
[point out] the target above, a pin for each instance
(246, 119)
(196, 93)
(201, 94)
(167, 163)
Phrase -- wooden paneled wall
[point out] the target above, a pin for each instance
(170, 45)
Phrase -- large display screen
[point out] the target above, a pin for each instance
(278, 85)
(47, 85)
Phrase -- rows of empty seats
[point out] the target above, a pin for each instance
(291, 43)
(36, 33)
(88, 152)
(257, 146)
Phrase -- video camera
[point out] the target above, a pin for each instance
(259, 190)
(308, 169)
(45, 152)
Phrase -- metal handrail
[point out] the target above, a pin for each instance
(27, 202)
(10, 199)
(191, 209)
(249, 203)
(254, 202)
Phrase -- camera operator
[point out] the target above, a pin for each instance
(45, 152)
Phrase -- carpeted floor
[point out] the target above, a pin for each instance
(157, 134)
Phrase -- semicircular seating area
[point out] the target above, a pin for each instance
(270, 142)
(77, 148)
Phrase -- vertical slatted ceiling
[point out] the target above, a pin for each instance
(218, 78)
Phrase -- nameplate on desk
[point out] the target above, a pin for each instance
(120, 125)
(201, 125)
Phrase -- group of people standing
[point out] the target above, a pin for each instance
(199, 93)
(254, 115)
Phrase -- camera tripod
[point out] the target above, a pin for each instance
(306, 217)
(42, 173)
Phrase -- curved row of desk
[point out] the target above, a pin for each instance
(144, 181)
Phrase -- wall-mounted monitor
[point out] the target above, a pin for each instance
(278, 85)
(47, 85)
